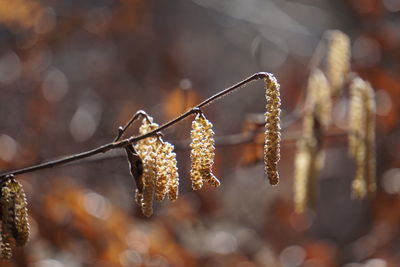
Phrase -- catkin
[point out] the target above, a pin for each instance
(149, 178)
(160, 171)
(202, 153)
(361, 137)
(370, 138)
(272, 129)
(167, 172)
(319, 97)
(337, 59)
(146, 149)
(305, 175)
(6, 221)
(173, 184)
(14, 217)
(309, 158)
(21, 225)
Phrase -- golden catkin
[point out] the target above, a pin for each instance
(319, 97)
(21, 224)
(146, 149)
(361, 137)
(202, 153)
(272, 129)
(149, 179)
(196, 153)
(173, 184)
(6, 220)
(14, 217)
(167, 172)
(356, 115)
(304, 181)
(337, 59)
(161, 171)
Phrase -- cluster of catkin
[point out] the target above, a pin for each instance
(361, 137)
(14, 217)
(153, 163)
(160, 173)
(324, 83)
(322, 87)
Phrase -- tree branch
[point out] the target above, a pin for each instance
(119, 144)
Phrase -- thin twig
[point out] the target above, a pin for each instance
(122, 130)
(131, 140)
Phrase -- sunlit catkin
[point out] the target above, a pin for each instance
(149, 179)
(167, 172)
(272, 129)
(20, 229)
(7, 220)
(337, 59)
(202, 153)
(14, 216)
(146, 149)
(173, 184)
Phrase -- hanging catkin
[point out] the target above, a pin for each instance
(361, 137)
(146, 149)
(309, 158)
(319, 97)
(167, 172)
(202, 153)
(305, 172)
(337, 59)
(272, 129)
(14, 217)
(371, 146)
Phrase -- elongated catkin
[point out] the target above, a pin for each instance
(272, 129)
(361, 137)
(337, 59)
(202, 153)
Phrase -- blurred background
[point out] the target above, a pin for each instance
(71, 72)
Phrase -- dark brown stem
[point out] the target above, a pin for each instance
(122, 130)
(128, 141)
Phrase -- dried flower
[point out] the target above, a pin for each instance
(202, 153)
(272, 129)
(337, 59)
